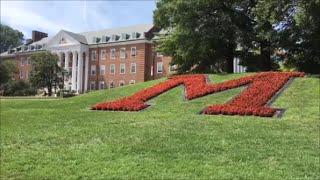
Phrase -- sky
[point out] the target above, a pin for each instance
(75, 16)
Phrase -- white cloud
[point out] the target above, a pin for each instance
(76, 16)
(20, 17)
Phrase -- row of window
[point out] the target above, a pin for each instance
(133, 69)
(122, 55)
(111, 84)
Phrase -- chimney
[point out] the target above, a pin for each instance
(37, 35)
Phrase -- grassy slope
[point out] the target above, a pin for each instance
(63, 139)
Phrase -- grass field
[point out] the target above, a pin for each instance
(63, 139)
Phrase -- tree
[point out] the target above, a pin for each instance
(18, 88)
(7, 69)
(301, 37)
(45, 72)
(9, 38)
(200, 35)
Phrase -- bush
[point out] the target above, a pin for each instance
(18, 88)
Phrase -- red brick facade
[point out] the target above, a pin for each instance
(138, 60)
(119, 65)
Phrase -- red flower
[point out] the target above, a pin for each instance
(252, 101)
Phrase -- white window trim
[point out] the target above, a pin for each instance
(102, 82)
(135, 50)
(159, 72)
(121, 81)
(21, 62)
(122, 55)
(94, 53)
(95, 70)
(132, 81)
(94, 85)
(21, 76)
(104, 72)
(113, 56)
(159, 54)
(105, 54)
(124, 72)
(114, 69)
(110, 87)
(135, 69)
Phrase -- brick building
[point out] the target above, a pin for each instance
(98, 59)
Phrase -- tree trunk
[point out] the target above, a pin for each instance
(229, 58)
(49, 90)
(265, 51)
(229, 64)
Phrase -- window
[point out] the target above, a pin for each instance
(133, 68)
(132, 82)
(121, 83)
(123, 53)
(102, 69)
(112, 69)
(122, 68)
(22, 62)
(21, 75)
(93, 55)
(101, 85)
(172, 68)
(93, 70)
(111, 84)
(92, 85)
(28, 61)
(103, 54)
(159, 54)
(112, 53)
(159, 67)
(133, 51)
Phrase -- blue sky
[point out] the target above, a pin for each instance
(75, 16)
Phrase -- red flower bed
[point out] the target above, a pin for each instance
(252, 101)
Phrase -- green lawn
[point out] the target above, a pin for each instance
(63, 139)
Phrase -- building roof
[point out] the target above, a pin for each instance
(141, 29)
(82, 39)
(113, 35)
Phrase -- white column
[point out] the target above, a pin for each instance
(86, 72)
(59, 59)
(66, 61)
(74, 70)
(80, 73)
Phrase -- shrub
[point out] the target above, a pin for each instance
(18, 88)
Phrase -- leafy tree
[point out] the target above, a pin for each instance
(205, 34)
(200, 35)
(18, 88)
(7, 69)
(9, 38)
(301, 37)
(45, 71)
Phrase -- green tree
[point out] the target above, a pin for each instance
(199, 35)
(301, 37)
(9, 38)
(45, 71)
(7, 69)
